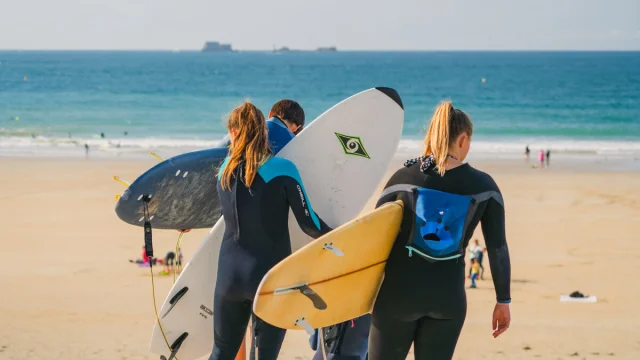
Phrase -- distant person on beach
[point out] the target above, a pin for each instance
(547, 155)
(144, 259)
(169, 262)
(86, 150)
(102, 135)
(541, 158)
(527, 152)
(250, 248)
(422, 300)
(475, 269)
(476, 252)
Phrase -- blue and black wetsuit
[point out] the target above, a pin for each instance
(424, 302)
(256, 238)
(279, 134)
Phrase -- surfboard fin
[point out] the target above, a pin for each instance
(175, 298)
(305, 325)
(305, 290)
(176, 346)
(317, 301)
(334, 250)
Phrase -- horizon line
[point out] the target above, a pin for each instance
(316, 50)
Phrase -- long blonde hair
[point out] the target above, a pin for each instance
(446, 125)
(249, 146)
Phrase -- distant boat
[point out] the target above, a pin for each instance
(282, 49)
(214, 46)
(327, 49)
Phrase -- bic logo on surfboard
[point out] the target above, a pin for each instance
(352, 145)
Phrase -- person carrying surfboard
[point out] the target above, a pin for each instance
(422, 299)
(286, 120)
(256, 191)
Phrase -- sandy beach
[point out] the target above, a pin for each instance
(70, 292)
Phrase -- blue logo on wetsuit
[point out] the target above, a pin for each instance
(441, 220)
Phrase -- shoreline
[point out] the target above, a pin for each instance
(560, 162)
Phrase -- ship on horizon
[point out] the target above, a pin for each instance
(215, 46)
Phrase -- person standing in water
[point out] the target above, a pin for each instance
(547, 155)
(422, 299)
(256, 191)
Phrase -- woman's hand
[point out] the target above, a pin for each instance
(184, 230)
(501, 319)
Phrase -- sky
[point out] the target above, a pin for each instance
(307, 24)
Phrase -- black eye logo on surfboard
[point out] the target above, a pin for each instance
(352, 145)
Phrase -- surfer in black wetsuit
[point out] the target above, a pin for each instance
(424, 302)
(256, 192)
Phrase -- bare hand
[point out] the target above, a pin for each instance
(184, 230)
(501, 319)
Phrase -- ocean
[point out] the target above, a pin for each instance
(53, 102)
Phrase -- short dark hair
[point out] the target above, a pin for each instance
(288, 110)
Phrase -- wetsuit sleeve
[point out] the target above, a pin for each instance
(308, 220)
(493, 229)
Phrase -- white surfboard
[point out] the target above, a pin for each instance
(342, 157)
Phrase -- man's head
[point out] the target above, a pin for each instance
(477, 242)
(290, 112)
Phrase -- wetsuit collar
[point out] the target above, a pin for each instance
(276, 120)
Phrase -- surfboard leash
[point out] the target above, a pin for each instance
(178, 266)
(322, 344)
(148, 248)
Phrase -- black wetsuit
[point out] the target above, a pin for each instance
(256, 238)
(424, 302)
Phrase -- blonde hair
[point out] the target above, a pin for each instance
(250, 145)
(446, 125)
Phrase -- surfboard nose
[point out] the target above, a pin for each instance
(392, 94)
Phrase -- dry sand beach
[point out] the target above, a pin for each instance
(68, 290)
